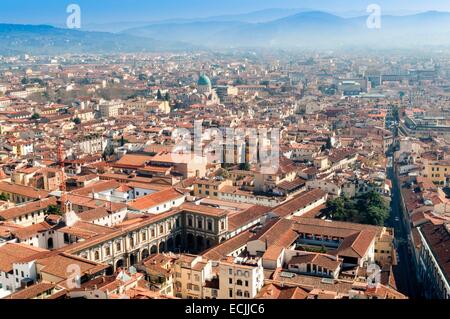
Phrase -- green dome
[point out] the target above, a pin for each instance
(204, 80)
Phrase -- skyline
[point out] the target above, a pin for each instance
(113, 11)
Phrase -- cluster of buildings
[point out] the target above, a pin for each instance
(99, 201)
(423, 172)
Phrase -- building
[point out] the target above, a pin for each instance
(240, 278)
(437, 171)
(434, 270)
(110, 108)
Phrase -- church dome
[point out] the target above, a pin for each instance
(204, 80)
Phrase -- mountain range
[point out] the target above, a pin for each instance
(259, 16)
(45, 39)
(280, 28)
(312, 29)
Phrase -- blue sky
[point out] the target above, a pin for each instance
(106, 11)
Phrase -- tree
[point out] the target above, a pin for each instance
(53, 210)
(239, 81)
(4, 197)
(329, 145)
(223, 173)
(395, 114)
(375, 216)
(35, 116)
(123, 141)
(167, 96)
(159, 95)
(244, 166)
(368, 208)
(109, 150)
(77, 121)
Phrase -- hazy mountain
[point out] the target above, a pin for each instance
(44, 39)
(313, 29)
(192, 32)
(257, 16)
(251, 17)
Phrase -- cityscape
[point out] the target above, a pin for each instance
(268, 150)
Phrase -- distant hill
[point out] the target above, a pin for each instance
(192, 32)
(251, 17)
(44, 39)
(312, 29)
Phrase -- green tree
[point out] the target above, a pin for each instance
(368, 208)
(53, 210)
(396, 114)
(35, 116)
(77, 121)
(4, 197)
(223, 173)
(109, 150)
(159, 95)
(329, 145)
(167, 96)
(244, 166)
(375, 215)
(123, 141)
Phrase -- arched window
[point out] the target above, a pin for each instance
(96, 255)
(239, 293)
(66, 238)
(131, 241)
(246, 294)
(210, 225)
(50, 243)
(108, 251)
(118, 246)
(144, 236)
(161, 229)
(239, 282)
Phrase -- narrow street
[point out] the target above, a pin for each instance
(404, 272)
